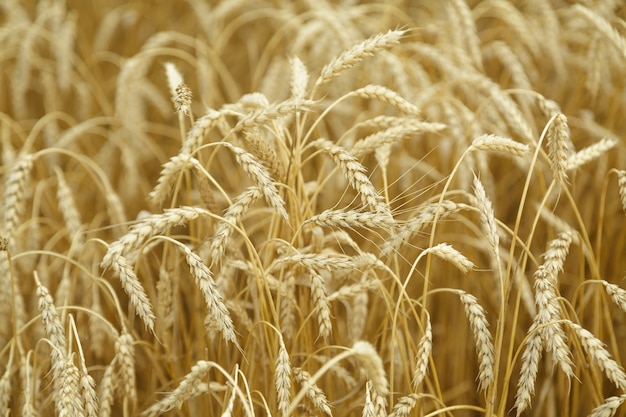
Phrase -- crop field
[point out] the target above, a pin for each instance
(299, 208)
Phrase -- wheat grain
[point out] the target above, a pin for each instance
(590, 153)
(484, 345)
(282, 377)
(313, 392)
(357, 53)
(372, 363)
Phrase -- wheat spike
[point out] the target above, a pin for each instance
(357, 53)
(282, 377)
(484, 345)
(373, 364)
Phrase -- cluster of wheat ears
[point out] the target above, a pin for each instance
(313, 208)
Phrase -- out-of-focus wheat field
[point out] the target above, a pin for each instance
(313, 208)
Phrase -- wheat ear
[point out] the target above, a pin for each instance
(621, 183)
(600, 356)
(354, 172)
(14, 195)
(212, 296)
(233, 214)
(404, 406)
(559, 141)
(528, 371)
(354, 55)
(495, 143)
(313, 392)
(372, 363)
(259, 174)
(424, 348)
(590, 153)
(484, 345)
(448, 253)
(282, 377)
(319, 294)
(609, 408)
(187, 389)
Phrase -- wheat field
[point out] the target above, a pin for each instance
(313, 208)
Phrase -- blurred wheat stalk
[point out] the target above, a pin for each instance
(313, 208)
